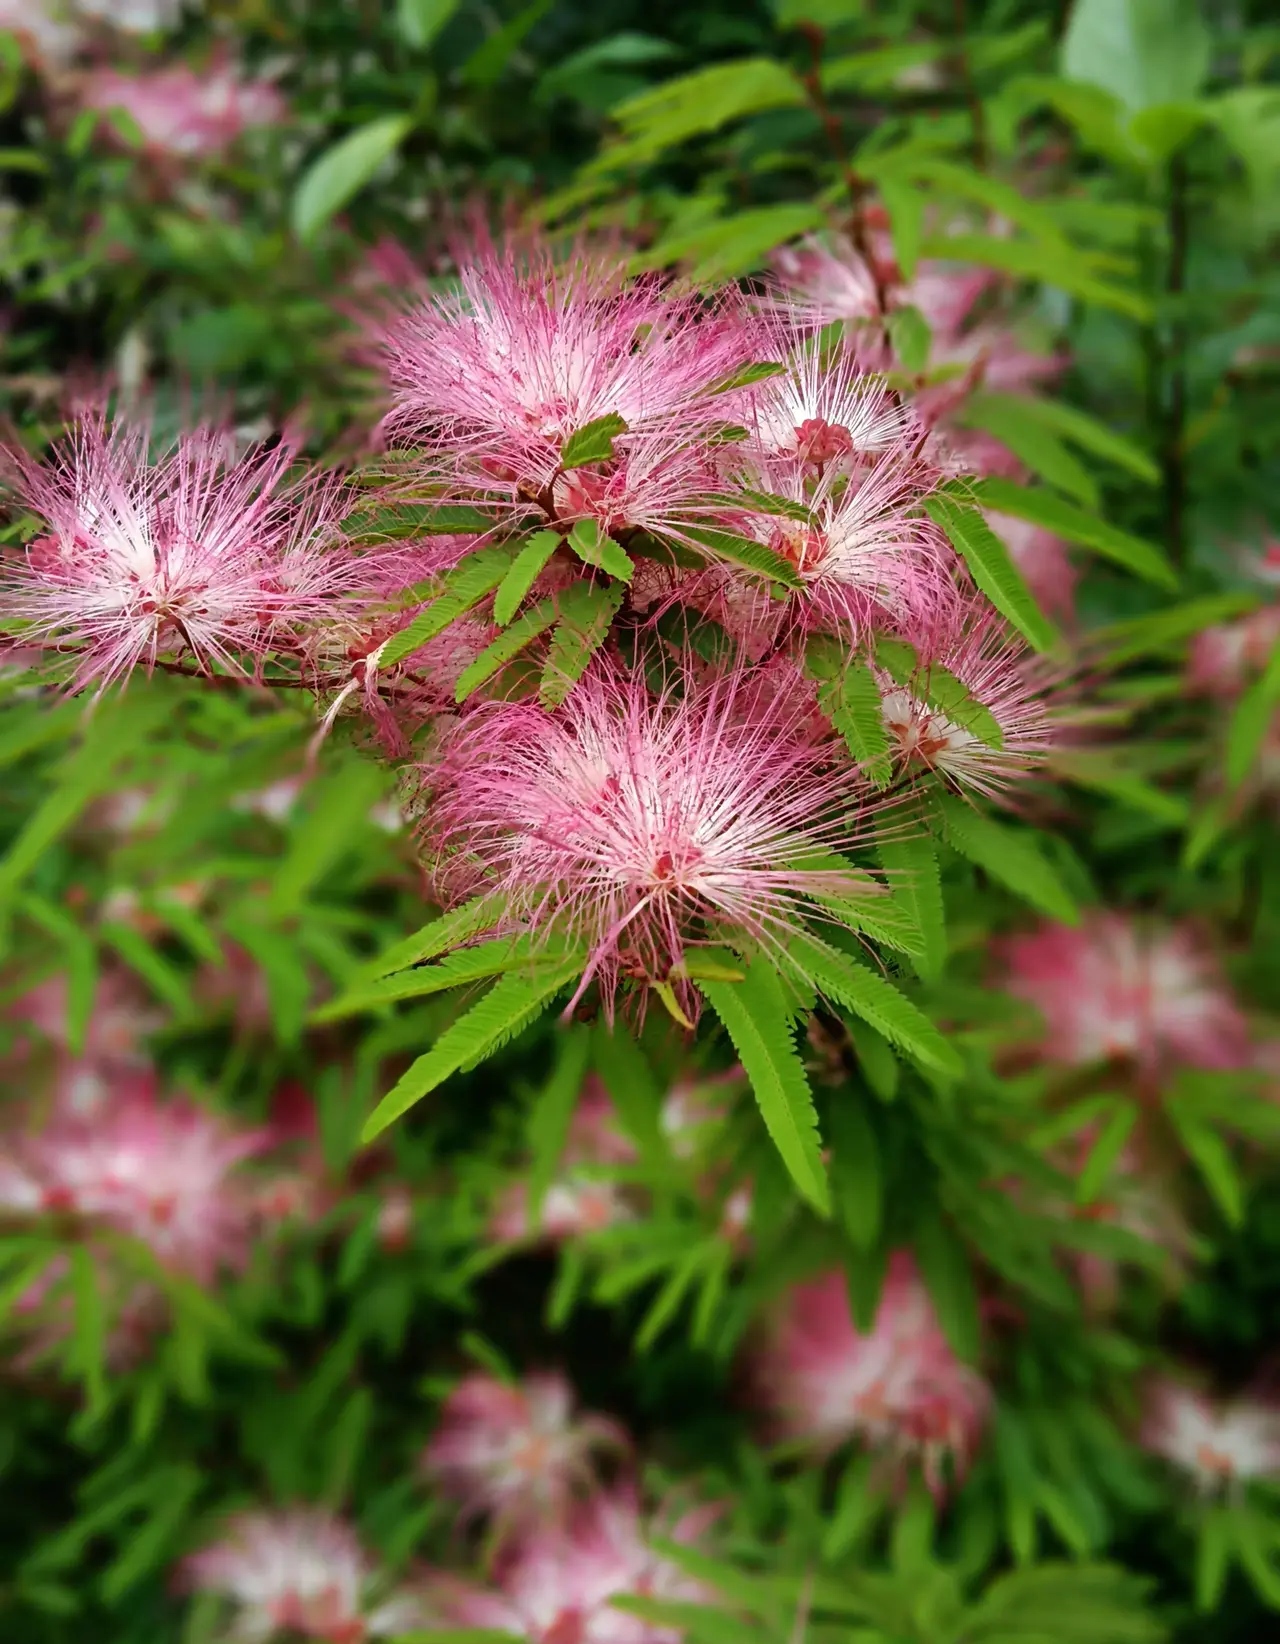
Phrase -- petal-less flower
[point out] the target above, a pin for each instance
(898, 1386)
(1226, 656)
(518, 1450)
(826, 406)
(199, 551)
(1113, 989)
(998, 732)
(554, 1584)
(1217, 1445)
(524, 354)
(299, 1572)
(640, 825)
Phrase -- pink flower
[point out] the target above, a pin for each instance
(1113, 989)
(899, 1387)
(184, 113)
(1043, 560)
(641, 825)
(828, 405)
(823, 284)
(574, 1204)
(1225, 657)
(517, 1450)
(695, 1109)
(46, 32)
(857, 539)
(301, 1572)
(498, 374)
(974, 710)
(554, 1584)
(119, 1021)
(1217, 1445)
(201, 552)
(159, 1172)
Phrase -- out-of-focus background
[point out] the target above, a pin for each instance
(216, 1303)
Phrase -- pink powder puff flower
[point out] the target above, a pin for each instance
(1010, 732)
(184, 113)
(859, 543)
(639, 825)
(899, 1387)
(299, 1571)
(119, 1021)
(554, 1584)
(826, 283)
(395, 1218)
(1044, 561)
(159, 1172)
(1225, 657)
(45, 31)
(695, 1108)
(199, 552)
(499, 373)
(1219, 1446)
(1111, 989)
(517, 1450)
(828, 405)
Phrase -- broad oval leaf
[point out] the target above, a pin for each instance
(339, 174)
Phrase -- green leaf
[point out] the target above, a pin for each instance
(88, 1355)
(1037, 448)
(415, 519)
(876, 1060)
(752, 556)
(1250, 720)
(633, 1089)
(463, 587)
(725, 248)
(852, 703)
(593, 442)
(693, 104)
(939, 688)
(991, 568)
(755, 1015)
(859, 989)
(505, 1011)
(480, 913)
(338, 810)
(586, 612)
(593, 547)
(857, 1179)
(1144, 52)
(457, 970)
(1212, 1159)
(905, 204)
(337, 175)
(530, 626)
(1105, 1151)
(911, 864)
(911, 338)
(948, 1276)
(1011, 856)
(550, 1115)
(1043, 508)
(525, 571)
(487, 64)
(1103, 771)
(1213, 1557)
(1046, 261)
(1166, 630)
(745, 376)
(420, 21)
(1076, 426)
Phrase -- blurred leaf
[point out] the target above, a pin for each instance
(1011, 856)
(1042, 508)
(911, 866)
(1251, 719)
(338, 175)
(1144, 52)
(420, 21)
(489, 62)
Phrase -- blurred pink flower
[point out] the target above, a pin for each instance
(1114, 989)
(899, 1387)
(199, 552)
(553, 1585)
(185, 113)
(1217, 1445)
(301, 1572)
(575, 1203)
(639, 825)
(46, 31)
(119, 1021)
(517, 1450)
(159, 1172)
(1224, 658)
